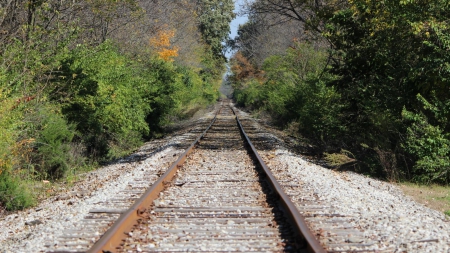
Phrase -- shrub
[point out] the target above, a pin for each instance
(10, 122)
(294, 89)
(13, 194)
(251, 95)
(107, 100)
(428, 143)
(53, 143)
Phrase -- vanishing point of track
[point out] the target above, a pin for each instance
(219, 196)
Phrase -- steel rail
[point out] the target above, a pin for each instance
(296, 219)
(115, 236)
(117, 233)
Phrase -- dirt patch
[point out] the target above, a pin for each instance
(434, 196)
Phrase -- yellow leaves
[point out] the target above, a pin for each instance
(167, 54)
(406, 2)
(162, 46)
(422, 28)
(23, 148)
(417, 27)
(163, 38)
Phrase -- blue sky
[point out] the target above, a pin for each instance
(236, 22)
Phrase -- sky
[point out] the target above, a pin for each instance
(239, 20)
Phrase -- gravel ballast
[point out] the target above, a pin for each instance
(388, 220)
(384, 219)
(385, 216)
(41, 228)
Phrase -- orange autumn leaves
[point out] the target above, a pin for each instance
(161, 44)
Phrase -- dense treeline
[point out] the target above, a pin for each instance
(87, 81)
(371, 80)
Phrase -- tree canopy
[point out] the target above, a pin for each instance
(82, 82)
(214, 22)
(388, 63)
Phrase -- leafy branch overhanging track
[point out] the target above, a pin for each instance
(209, 207)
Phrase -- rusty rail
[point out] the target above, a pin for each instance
(299, 225)
(113, 238)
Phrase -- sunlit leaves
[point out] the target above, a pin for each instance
(162, 46)
(429, 142)
(214, 22)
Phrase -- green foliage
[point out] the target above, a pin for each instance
(105, 97)
(294, 89)
(53, 144)
(94, 104)
(387, 52)
(70, 97)
(13, 195)
(428, 143)
(10, 123)
(319, 110)
(383, 55)
(214, 21)
(250, 95)
(115, 101)
(193, 93)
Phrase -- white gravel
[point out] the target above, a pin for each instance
(379, 209)
(64, 212)
(387, 219)
(385, 216)
(57, 215)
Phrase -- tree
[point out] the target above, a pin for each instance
(305, 12)
(258, 39)
(80, 82)
(161, 43)
(214, 23)
(388, 52)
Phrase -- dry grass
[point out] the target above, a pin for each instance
(338, 159)
(434, 196)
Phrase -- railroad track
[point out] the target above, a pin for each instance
(219, 196)
(337, 231)
(220, 200)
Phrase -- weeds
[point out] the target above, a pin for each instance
(14, 195)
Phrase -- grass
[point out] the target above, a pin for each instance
(14, 193)
(436, 197)
(18, 192)
(338, 159)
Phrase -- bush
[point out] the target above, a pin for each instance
(251, 95)
(318, 108)
(10, 122)
(428, 143)
(293, 89)
(13, 194)
(53, 144)
(107, 100)
(88, 104)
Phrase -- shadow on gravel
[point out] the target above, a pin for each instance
(264, 139)
(139, 157)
